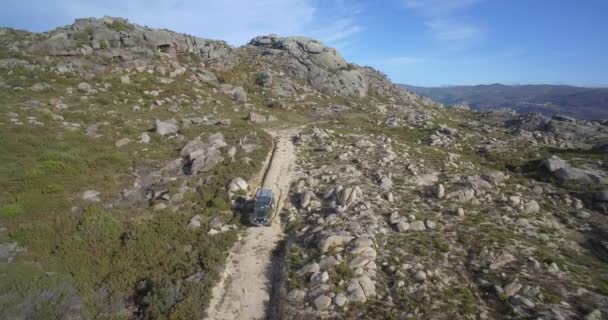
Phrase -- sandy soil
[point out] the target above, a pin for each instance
(244, 290)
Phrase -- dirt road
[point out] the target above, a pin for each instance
(244, 291)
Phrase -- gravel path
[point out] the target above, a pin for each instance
(243, 292)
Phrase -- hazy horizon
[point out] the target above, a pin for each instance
(509, 85)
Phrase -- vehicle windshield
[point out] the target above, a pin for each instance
(261, 205)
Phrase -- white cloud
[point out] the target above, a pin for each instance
(236, 21)
(453, 31)
(439, 7)
(338, 25)
(444, 21)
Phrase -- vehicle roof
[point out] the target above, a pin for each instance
(263, 193)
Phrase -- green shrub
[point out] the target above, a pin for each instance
(82, 38)
(11, 210)
(117, 25)
(343, 272)
(88, 251)
(52, 188)
(218, 203)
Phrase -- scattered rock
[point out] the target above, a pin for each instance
(195, 222)
(236, 185)
(420, 276)
(340, 300)
(122, 142)
(334, 240)
(417, 226)
(167, 127)
(440, 191)
(296, 296)
(512, 288)
(84, 87)
(125, 79)
(144, 138)
(91, 196)
(531, 207)
(240, 95)
(322, 302)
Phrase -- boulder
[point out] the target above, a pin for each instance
(340, 300)
(420, 276)
(570, 174)
(355, 292)
(319, 278)
(92, 130)
(239, 95)
(322, 302)
(512, 288)
(167, 127)
(349, 195)
(84, 87)
(554, 163)
(256, 117)
(494, 177)
(440, 191)
(158, 38)
(237, 184)
(402, 226)
(195, 222)
(360, 289)
(194, 147)
(502, 260)
(309, 269)
(206, 76)
(305, 198)
(417, 226)
(476, 182)
(334, 240)
(531, 207)
(316, 291)
(296, 296)
(314, 47)
(594, 315)
(207, 161)
(90, 196)
(368, 286)
(386, 183)
(122, 142)
(7, 249)
(217, 223)
(144, 137)
(329, 262)
(358, 262)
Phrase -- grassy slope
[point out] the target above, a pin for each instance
(103, 255)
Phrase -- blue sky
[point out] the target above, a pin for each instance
(419, 42)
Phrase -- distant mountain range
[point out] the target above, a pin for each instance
(578, 102)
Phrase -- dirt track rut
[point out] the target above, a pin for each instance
(244, 290)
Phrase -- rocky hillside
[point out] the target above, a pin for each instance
(130, 154)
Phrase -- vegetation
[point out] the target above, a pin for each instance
(119, 25)
(89, 253)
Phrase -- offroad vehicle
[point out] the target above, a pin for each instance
(263, 208)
